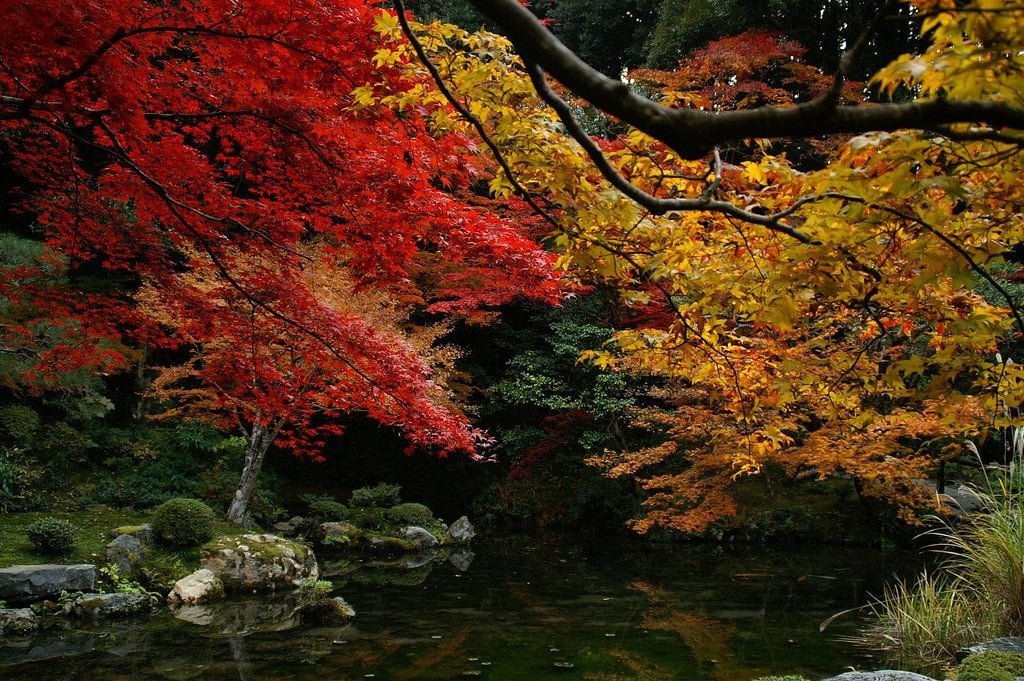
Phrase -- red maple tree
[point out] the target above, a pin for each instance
(198, 146)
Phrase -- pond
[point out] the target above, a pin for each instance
(521, 609)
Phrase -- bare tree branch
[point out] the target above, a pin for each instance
(692, 133)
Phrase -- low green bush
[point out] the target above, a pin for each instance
(184, 522)
(992, 665)
(368, 518)
(410, 514)
(19, 423)
(327, 510)
(377, 496)
(52, 536)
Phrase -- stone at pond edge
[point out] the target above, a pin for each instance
(419, 536)
(17, 622)
(109, 605)
(1004, 644)
(461, 531)
(125, 552)
(881, 675)
(23, 583)
(258, 562)
(338, 533)
(328, 611)
(201, 585)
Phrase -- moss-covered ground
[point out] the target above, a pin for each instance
(161, 564)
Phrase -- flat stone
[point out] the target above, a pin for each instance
(109, 605)
(1004, 644)
(17, 622)
(144, 533)
(26, 583)
(202, 585)
(881, 675)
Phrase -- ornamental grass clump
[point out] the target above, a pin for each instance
(927, 621)
(977, 592)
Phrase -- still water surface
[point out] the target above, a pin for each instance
(521, 610)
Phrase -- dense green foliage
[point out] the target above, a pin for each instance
(184, 522)
(992, 665)
(378, 496)
(52, 536)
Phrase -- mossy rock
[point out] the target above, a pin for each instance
(258, 561)
(144, 533)
(386, 546)
(993, 665)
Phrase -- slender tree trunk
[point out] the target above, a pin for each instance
(258, 441)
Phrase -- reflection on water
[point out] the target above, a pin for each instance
(515, 610)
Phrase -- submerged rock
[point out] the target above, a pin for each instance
(462, 559)
(24, 583)
(201, 585)
(17, 622)
(109, 605)
(259, 562)
(328, 611)
(461, 531)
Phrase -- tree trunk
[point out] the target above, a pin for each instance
(258, 441)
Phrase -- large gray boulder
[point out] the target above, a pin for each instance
(17, 622)
(419, 536)
(109, 605)
(1004, 644)
(881, 675)
(202, 585)
(461, 531)
(258, 562)
(25, 583)
(125, 553)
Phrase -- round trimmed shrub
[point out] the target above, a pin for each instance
(325, 510)
(378, 496)
(410, 514)
(183, 522)
(52, 536)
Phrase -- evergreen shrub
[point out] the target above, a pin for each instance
(184, 522)
(52, 536)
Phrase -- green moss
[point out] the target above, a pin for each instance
(992, 665)
(265, 551)
(93, 535)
